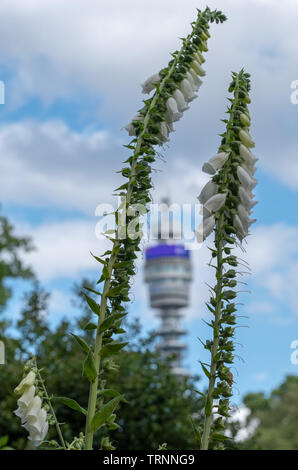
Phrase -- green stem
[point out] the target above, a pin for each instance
(219, 273)
(47, 398)
(98, 340)
(214, 349)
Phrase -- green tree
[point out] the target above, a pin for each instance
(158, 407)
(277, 415)
(11, 266)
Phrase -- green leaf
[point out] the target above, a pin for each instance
(217, 356)
(205, 370)
(92, 290)
(102, 261)
(104, 413)
(70, 403)
(199, 393)
(105, 271)
(108, 392)
(92, 304)
(89, 369)
(82, 343)
(107, 323)
(90, 326)
(114, 291)
(219, 437)
(111, 349)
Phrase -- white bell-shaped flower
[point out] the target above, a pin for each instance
(34, 407)
(172, 113)
(247, 155)
(198, 57)
(207, 192)
(241, 231)
(30, 411)
(243, 214)
(148, 85)
(187, 90)
(245, 179)
(130, 127)
(20, 412)
(215, 202)
(164, 131)
(189, 77)
(205, 228)
(246, 139)
(215, 163)
(246, 198)
(25, 383)
(179, 98)
(37, 427)
(250, 169)
(244, 217)
(197, 81)
(244, 119)
(198, 68)
(26, 398)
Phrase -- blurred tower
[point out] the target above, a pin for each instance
(168, 274)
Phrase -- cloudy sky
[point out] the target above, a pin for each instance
(72, 72)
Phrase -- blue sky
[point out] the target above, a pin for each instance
(72, 74)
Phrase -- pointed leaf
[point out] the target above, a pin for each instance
(219, 437)
(92, 304)
(92, 290)
(82, 343)
(107, 323)
(70, 403)
(89, 369)
(104, 413)
(90, 326)
(206, 372)
(111, 348)
(102, 261)
(108, 392)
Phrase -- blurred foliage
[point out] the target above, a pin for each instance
(4, 442)
(277, 415)
(159, 405)
(11, 266)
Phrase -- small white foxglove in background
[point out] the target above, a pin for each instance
(33, 416)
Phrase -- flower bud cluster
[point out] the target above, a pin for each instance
(233, 169)
(182, 85)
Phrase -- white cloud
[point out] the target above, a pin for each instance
(49, 164)
(260, 307)
(241, 415)
(272, 252)
(63, 248)
(65, 49)
(271, 246)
